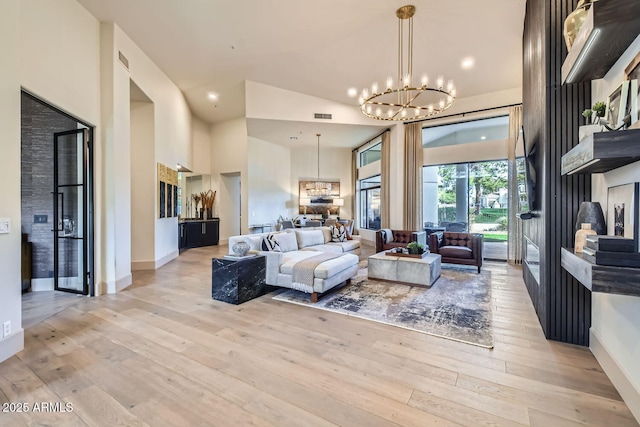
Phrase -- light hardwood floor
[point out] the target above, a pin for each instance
(163, 353)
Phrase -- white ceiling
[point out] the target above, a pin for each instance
(319, 48)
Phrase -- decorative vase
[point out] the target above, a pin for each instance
(591, 212)
(581, 236)
(574, 22)
(240, 248)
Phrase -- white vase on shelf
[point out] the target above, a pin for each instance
(581, 236)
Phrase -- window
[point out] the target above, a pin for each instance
(469, 197)
(372, 154)
(370, 203)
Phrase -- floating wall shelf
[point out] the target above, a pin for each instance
(601, 278)
(603, 151)
(608, 29)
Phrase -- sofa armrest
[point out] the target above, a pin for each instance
(435, 239)
(478, 244)
(273, 261)
(379, 242)
(419, 237)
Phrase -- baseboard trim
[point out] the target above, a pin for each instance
(154, 265)
(223, 242)
(38, 285)
(12, 344)
(165, 259)
(124, 282)
(616, 373)
(143, 265)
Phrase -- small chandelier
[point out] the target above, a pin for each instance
(406, 101)
(318, 188)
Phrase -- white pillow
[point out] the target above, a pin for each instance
(287, 241)
(326, 232)
(387, 235)
(309, 238)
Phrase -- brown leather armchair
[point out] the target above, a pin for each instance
(400, 239)
(458, 248)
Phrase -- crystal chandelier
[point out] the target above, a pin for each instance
(318, 188)
(406, 101)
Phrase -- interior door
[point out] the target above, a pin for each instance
(72, 262)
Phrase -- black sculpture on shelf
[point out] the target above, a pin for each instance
(591, 213)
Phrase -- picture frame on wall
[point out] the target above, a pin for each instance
(623, 203)
(617, 105)
(632, 73)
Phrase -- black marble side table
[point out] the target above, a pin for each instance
(238, 281)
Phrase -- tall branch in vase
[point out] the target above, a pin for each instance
(208, 198)
(196, 200)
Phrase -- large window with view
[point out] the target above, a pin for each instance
(369, 202)
(469, 196)
(371, 154)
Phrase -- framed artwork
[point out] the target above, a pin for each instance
(623, 212)
(617, 105)
(169, 200)
(162, 192)
(632, 73)
(319, 204)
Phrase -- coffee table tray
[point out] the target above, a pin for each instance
(419, 256)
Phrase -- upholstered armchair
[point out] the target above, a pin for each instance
(457, 248)
(388, 239)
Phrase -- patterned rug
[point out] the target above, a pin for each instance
(457, 306)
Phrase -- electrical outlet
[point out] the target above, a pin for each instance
(6, 329)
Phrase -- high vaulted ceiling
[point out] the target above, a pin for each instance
(319, 48)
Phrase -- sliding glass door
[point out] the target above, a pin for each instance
(469, 197)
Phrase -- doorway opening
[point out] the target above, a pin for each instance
(57, 199)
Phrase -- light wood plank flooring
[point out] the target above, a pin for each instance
(163, 353)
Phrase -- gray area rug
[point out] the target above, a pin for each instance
(457, 306)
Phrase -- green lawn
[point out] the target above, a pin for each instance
(495, 237)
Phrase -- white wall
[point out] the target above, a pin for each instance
(172, 145)
(201, 153)
(143, 175)
(10, 285)
(270, 193)
(615, 321)
(229, 155)
(268, 102)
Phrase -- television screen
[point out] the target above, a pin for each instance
(525, 172)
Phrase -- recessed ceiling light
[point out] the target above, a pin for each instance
(467, 63)
(352, 92)
(212, 96)
(483, 137)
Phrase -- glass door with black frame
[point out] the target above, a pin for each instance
(70, 203)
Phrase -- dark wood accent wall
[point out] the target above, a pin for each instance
(551, 118)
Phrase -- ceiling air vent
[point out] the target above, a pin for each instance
(123, 59)
(322, 116)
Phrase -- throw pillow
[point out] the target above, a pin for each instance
(287, 241)
(387, 235)
(338, 233)
(269, 243)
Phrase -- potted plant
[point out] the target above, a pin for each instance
(596, 115)
(415, 248)
(598, 110)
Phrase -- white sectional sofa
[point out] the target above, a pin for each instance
(295, 245)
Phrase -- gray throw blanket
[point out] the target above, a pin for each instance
(303, 269)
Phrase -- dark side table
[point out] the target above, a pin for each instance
(238, 281)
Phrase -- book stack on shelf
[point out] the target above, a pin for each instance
(611, 250)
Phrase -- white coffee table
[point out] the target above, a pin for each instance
(412, 271)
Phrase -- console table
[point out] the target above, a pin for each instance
(238, 281)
